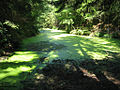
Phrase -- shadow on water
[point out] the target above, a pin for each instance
(69, 75)
(27, 70)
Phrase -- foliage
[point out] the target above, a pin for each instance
(80, 32)
(17, 21)
(88, 13)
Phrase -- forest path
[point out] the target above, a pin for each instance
(30, 63)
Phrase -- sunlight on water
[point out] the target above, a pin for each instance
(23, 56)
(55, 45)
(17, 65)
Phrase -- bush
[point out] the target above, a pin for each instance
(86, 32)
(107, 36)
(80, 32)
(10, 36)
(73, 32)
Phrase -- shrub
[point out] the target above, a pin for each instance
(80, 32)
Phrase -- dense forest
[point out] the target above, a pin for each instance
(59, 44)
(22, 18)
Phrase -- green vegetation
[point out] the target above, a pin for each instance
(78, 38)
(53, 45)
(20, 19)
(15, 69)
